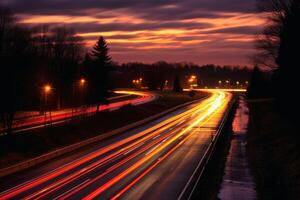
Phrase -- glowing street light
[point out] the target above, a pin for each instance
(193, 81)
(47, 88)
(82, 81)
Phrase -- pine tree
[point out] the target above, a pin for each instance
(101, 70)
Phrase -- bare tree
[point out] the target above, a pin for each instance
(282, 18)
(279, 45)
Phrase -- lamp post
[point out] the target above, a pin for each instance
(47, 89)
(192, 81)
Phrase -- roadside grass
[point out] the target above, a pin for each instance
(274, 152)
(23, 146)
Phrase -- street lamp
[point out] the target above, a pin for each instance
(192, 80)
(82, 81)
(237, 84)
(47, 89)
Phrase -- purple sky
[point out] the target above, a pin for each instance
(199, 31)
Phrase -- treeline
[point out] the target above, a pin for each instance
(161, 75)
(45, 67)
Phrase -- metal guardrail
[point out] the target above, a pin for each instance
(195, 178)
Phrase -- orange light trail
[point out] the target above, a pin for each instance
(101, 162)
(217, 102)
(203, 111)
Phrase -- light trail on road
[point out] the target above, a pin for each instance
(38, 121)
(120, 168)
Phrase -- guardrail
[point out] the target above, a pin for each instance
(193, 181)
(45, 157)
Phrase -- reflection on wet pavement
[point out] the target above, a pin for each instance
(237, 181)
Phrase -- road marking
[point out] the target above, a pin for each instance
(155, 137)
(134, 148)
(152, 149)
(73, 188)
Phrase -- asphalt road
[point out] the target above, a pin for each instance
(154, 161)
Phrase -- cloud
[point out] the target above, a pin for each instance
(247, 30)
(151, 29)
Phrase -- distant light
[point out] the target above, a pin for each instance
(193, 77)
(220, 82)
(82, 81)
(237, 82)
(47, 88)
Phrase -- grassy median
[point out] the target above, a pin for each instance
(22, 146)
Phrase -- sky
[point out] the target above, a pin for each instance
(200, 31)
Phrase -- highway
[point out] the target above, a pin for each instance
(154, 161)
(56, 117)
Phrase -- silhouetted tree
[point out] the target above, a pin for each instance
(100, 72)
(15, 52)
(176, 84)
(280, 40)
(67, 50)
(259, 86)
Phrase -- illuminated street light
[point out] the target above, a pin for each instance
(82, 81)
(220, 82)
(47, 88)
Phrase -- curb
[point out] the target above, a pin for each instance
(45, 157)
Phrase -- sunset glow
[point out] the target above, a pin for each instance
(190, 31)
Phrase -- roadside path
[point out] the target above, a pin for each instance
(237, 181)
